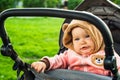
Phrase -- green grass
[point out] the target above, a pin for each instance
(32, 38)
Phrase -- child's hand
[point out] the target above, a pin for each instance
(39, 66)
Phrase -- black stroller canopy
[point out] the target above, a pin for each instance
(7, 48)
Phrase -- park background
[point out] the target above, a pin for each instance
(32, 37)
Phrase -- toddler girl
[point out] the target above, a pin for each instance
(85, 50)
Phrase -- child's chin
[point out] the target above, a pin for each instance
(85, 54)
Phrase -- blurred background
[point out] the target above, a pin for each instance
(66, 4)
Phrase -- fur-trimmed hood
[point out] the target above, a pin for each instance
(88, 27)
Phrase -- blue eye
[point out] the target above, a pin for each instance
(77, 38)
(87, 36)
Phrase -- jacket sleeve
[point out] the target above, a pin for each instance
(58, 61)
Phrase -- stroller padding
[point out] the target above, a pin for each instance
(64, 74)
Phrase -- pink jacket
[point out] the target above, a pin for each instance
(73, 61)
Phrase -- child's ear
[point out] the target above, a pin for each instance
(64, 27)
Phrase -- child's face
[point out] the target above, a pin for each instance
(82, 42)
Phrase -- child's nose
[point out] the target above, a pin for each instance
(82, 41)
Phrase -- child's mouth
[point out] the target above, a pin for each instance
(84, 48)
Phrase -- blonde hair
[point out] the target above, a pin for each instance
(89, 28)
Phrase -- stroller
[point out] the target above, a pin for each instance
(104, 12)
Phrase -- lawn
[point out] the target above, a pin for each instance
(32, 38)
